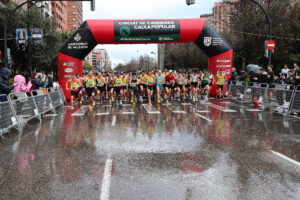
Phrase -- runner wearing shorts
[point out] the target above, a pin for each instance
(195, 84)
(90, 84)
(142, 85)
(110, 88)
(205, 84)
(134, 85)
(169, 84)
(150, 81)
(179, 85)
(159, 85)
(118, 87)
(100, 87)
(74, 86)
(221, 78)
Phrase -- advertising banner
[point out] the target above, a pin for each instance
(67, 67)
(21, 36)
(36, 36)
(146, 30)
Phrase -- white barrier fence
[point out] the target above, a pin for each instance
(18, 109)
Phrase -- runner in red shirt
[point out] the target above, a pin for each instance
(169, 81)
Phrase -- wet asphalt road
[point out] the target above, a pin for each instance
(203, 151)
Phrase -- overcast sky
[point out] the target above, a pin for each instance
(142, 9)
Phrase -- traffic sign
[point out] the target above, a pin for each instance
(271, 45)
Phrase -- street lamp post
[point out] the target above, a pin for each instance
(13, 12)
(154, 59)
(5, 30)
(190, 2)
(270, 28)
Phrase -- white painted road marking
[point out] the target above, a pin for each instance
(225, 102)
(127, 113)
(51, 115)
(176, 109)
(166, 104)
(223, 109)
(203, 117)
(150, 109)
(127, 105)
(81, 111)
(106, 179)
(186, 104)
(286, 158)
(253, 110)
(203, 111)
(99, 114)
(205, 103)
(113, 122)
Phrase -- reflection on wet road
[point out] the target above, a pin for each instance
(177, 151)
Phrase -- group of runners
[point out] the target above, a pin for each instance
(133, 87)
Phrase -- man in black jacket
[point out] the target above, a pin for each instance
(5, 87)
(261, 77)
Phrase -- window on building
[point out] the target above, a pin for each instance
(74, 19)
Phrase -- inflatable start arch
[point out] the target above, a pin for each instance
(93, 32)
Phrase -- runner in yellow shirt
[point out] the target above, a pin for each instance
(221, 78)
(118, 88)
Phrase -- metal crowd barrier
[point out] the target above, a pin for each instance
(55, 96)
(43, 101)
(279, 97)
(295, 104)
(8, 118)
(18, 109)
(25, 107)
(236, 90)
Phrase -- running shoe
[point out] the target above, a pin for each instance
(121, 103)
(94, 103)
(72, 108)
(158, 101)
(112, 99)
(117, 103)
(150, 104)
(91, 107)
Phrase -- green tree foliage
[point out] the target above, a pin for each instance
(87, 66)
(43, 57)
(143, 63)
(184, 56)
(250, 31)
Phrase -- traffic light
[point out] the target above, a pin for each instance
(190, 2)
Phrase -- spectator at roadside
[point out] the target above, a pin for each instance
(234, 75)
(21, 84)
(5, 87)
(271, 74)
(285, 71)
(291, 78)
(37, 81)
(297, 74)
(48, 80)
(243, 75)
(262, 77)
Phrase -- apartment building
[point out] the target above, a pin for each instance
(59, 12)
(74, 15)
